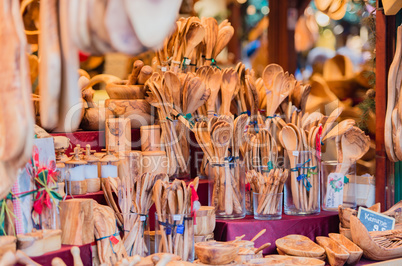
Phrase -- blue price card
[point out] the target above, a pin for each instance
(375, 221)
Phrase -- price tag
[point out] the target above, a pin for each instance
(164, 69)
(180, 229)
(375, 221)
(143, 218)
(295, 153)
(114, 240)
(335, 185)
(187, 61)
(176, 217)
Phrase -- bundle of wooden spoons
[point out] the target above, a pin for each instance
(268, 186)
(174, 206)
(215, 138)
(194, 43)
(135, 200)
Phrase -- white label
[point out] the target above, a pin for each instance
(187, 61)
(176, 217)
(335, 185)
(143, 218)
(295, 153)
(164, 69)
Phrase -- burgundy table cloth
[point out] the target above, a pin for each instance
(310, 226)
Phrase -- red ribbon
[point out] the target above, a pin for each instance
(194, 197)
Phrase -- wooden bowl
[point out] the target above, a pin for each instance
(140, 112)
(120, 90)
(298, 245)
(337, 255)
(353, 249)
(213, 252)
(205, 221)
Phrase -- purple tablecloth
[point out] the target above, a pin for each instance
(310, 226)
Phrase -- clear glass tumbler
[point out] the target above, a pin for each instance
(136, 233)
(175, 235)
(267, 206)
(302, 188)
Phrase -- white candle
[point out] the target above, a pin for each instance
(76, 173)
(91, 171)
(108, 171)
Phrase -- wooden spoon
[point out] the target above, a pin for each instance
(228, 86)
(214, 84)
(289, 138)
(224, 35)
(354, 145)
(194, 36)
(173, 84)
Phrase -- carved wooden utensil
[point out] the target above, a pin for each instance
(392, 94)
(50, 64)
(354, 145)
(224, 35)
(289, 138)
(228, 86)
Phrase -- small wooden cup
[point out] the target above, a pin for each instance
(205, 221)
(93, 185)
(77, 187)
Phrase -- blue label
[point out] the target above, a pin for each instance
(180, 229)
(375, 221)
(168, 230)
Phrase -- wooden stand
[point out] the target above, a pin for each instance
(118, 135)
(77, 221)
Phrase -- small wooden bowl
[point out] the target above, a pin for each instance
(93, 185)
(345, 232)
(243, 243)
(205, 221)
(354, 250)
(120, 90)
(203, 238)
(337, 254)
(77, 187)
(213, 252)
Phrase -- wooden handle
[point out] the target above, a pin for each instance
(262, 247)
(24, 259)
(75, 251)
(238, 238)
(58, 262)
(132, 79)
(258, 235)
(145, 74)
